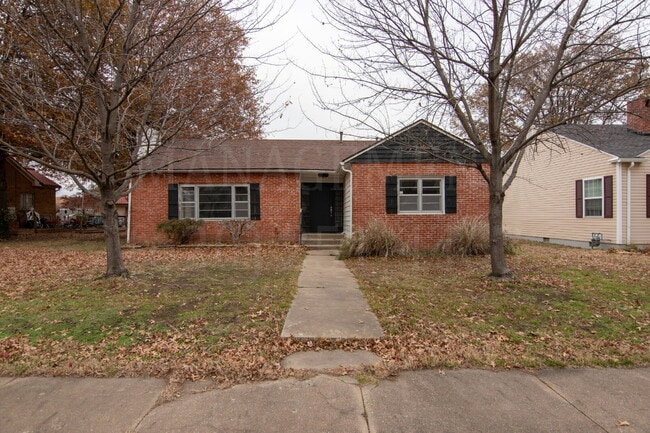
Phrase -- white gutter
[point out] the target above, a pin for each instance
(619, 203)
(629, 202)
(619, 196)
(351, 198)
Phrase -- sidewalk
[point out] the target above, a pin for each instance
(328, 303)
(461, 401)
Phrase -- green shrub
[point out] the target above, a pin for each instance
(179, 231)
(470, 237)
(376, 239)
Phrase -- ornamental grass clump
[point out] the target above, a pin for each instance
(376, 239)
(180, 231)
(470, 237)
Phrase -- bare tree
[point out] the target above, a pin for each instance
(470, 60)
(95, 88)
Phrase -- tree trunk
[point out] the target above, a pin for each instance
(497, 245)
(114, 263)
(4, 212)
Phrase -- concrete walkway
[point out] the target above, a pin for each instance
(460, 401)
(329, 303)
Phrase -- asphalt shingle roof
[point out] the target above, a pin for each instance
(257, 155)
(616, 140)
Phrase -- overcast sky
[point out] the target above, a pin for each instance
(294, 97)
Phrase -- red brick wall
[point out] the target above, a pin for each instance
(638, 116)
(421, 232)
(279, 201)
(17, 184)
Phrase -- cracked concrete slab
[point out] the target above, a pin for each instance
(470, 401)
(320, 404)
(566, 400)
(611, 397)
(72, 405)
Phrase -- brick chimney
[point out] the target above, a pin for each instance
(638, 115)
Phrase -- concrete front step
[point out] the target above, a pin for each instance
(322, 241)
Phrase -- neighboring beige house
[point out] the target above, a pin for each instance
(598, 182)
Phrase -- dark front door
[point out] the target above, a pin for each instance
(322, 207)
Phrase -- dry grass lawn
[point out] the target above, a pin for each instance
(195, 313)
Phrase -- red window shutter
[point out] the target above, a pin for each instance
(608, 194)
(578, 198)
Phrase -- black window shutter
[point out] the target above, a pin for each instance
(608, 194)
(578, 198)
(450, 194)
(647, 195)
(172, 201)
(391, 194)
(255, 201)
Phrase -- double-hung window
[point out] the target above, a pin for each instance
(215, 201)
(593, 197)
(420, 195)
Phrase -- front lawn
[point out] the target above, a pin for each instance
(194, 313)
(566, 307)
(186, 312)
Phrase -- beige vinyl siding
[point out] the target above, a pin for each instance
(541, 201)
(640, 224)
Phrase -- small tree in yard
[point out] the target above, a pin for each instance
(506, 71)
(95, 88)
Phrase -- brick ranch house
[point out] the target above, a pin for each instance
(413, 181)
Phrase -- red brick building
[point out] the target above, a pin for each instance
(28, 189)
(420, 181)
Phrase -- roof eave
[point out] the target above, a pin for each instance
(248, 170)
(619, 159)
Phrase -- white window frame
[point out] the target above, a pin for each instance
(601, 197)
(191, 208)
(420, 195)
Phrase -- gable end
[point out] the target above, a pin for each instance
(420, 142)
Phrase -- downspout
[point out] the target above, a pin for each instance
(629, 202)
(351, 197)
(128, 216)
(619, 202)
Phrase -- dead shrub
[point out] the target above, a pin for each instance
(470, 237)
(237, 228)
(376, 239)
